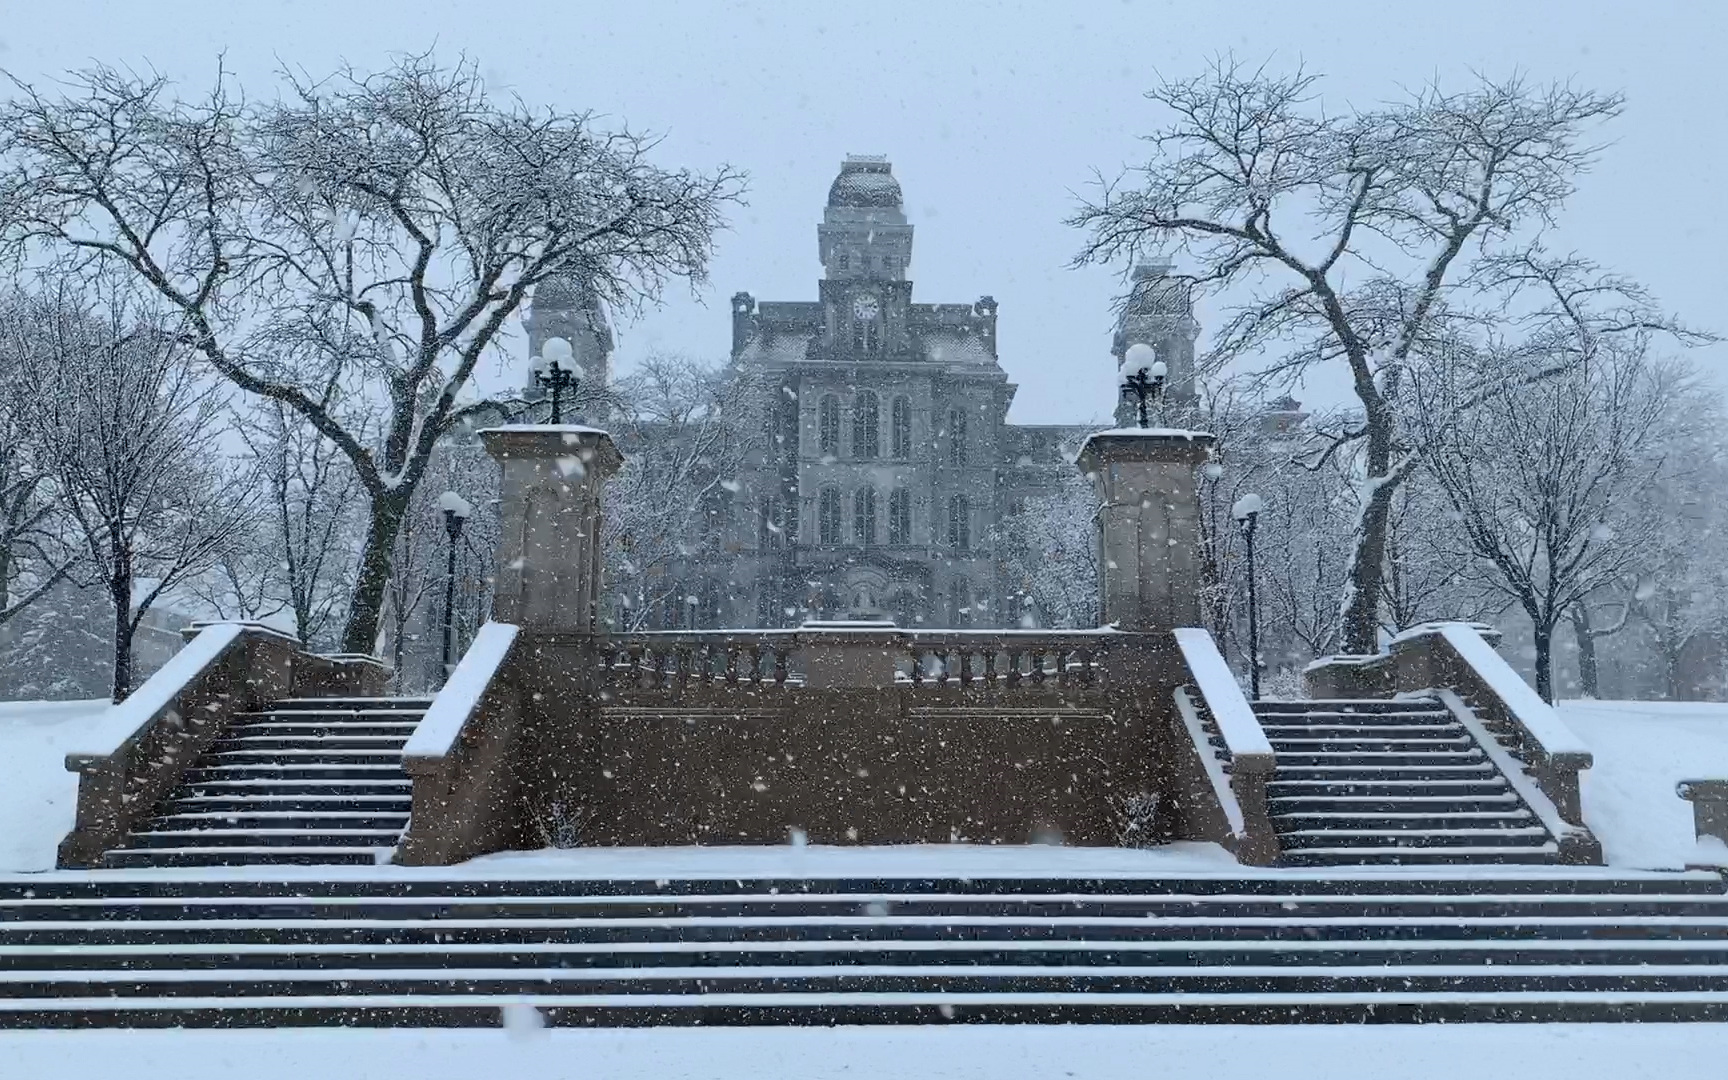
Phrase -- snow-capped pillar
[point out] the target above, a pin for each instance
(1149, 559)
(549, 524)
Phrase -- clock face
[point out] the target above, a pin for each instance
(864, 308)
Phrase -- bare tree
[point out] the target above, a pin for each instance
(130, 430)
(1361, 237)
(358, 244)
(1048, 552)
(685, 427)
(1545, 475)
(33, 556)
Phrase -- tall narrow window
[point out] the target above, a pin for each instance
(959, 522)
(902, 423)
(864, 516)
(828, 425)
(770, 530)
(960, 603)
(866, 425)
(956, 437)
(828, 516)
(900, 516)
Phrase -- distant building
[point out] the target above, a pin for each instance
(890, 460)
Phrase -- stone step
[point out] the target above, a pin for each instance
(1450, 819)
(1458, 744)
(245, 787)
(266, 743)
(1380, 759)
(285, 804)
(1417, 856)
(351, 704)
(1363, 731)
(201, 774)
(263, 838)
(256, 818)
(1480, 772)
(371, 729)
(1281, 787)
(164, 858)
(1516, 836)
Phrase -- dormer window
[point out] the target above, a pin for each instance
(841, 260)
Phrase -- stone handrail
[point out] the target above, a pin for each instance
(1225, 759)
(459, 758)
(867, 654)
(140, 748)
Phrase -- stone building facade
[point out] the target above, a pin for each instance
(888, 460)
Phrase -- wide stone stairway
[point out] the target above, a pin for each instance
(1538, 944)
(308, 781)
(1398, 781)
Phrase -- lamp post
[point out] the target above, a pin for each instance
(1147, 383)
(555, 369)
(456, 510)
(1247, 514)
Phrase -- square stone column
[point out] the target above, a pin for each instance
(549, 524)
(1149, 561)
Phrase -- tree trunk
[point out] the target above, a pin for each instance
(376, 562)
(1361, 630)
(120, 598)
(1588, 676)
(1545, 662)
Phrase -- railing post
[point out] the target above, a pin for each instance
(1149, 525)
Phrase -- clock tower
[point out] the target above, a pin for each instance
(865, 244)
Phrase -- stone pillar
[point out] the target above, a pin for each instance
(549, 524)
(1149, 561)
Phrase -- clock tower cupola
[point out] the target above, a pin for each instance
(865, 244)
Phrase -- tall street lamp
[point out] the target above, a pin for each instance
(1147, 383)
(456, 511)
(1247, 514)
(555, 369)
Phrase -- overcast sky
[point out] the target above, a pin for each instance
(994, 115)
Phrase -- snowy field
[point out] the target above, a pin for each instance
(1391, 1052)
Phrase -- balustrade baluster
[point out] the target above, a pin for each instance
(965, 666)
(917, 666)
(990, 667)
(943, 674)
(1038, 666)
(780, 663)
(659, 672)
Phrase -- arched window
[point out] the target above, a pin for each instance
(828, 424)
(900, 516)
(959, 522)
(902, 423)
(956, 437)
(866, 425)
(864, 516)
(828, 516)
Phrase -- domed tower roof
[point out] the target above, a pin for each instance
(865, 180)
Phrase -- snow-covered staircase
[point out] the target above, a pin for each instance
(388, 948)
(314, 780)
(1391, 781)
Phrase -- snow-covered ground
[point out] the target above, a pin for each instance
(37, 794)
(1388, 1052)
(1642, 749)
